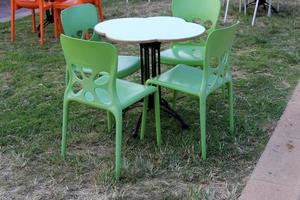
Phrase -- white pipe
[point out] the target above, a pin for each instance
(226, 10)
(270, 8)
(255, 11)
(245, 7)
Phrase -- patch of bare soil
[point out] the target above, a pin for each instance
(21, 178)
(5, 80)
(238, 74)
(24, 178)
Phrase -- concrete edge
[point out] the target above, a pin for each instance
(276, 175)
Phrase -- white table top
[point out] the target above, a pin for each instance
(151, 29)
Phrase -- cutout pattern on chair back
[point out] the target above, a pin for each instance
(91, 69)
(218, 47)
(206, 12)
(79, 21)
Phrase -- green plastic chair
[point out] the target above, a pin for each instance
(92, 70)
(192, 52)
(79, 21)
(202, 82)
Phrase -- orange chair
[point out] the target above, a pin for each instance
(41, 5)
(58, 6)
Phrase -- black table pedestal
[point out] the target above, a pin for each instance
(48, 20)
(263, 3)
(150, 67)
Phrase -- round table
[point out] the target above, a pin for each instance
(150, 33)
(148, 30)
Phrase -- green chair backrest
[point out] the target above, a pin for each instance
(92, 66)
(218, 48)
(79, 21)
(192, 10)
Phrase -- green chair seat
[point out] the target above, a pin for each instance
(128, 92)
(184, 54)
(128, 65)
(189, 79)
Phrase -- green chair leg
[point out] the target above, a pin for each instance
(144, 117)
(157, 117)
(203, 126)
(67, 78)
(223, 91)
(118, 118)
(230, 100)
(64, 129)
(109, 121)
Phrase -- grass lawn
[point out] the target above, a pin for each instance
(265, 61)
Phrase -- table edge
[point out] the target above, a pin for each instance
(150, 40)
(147, 41)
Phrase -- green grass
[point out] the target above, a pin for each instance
(266, 68)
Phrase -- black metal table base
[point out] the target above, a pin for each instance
(48, 20)
(150, 67)
(167, 108)
(263, 3)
